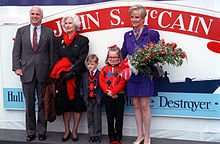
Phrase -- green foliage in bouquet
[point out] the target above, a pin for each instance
(162, 52)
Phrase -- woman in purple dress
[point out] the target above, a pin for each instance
(138, 86)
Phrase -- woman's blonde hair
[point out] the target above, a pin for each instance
(139, 8)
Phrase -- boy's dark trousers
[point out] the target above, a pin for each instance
(94, 118)
(115, 111)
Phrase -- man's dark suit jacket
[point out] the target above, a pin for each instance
(27, 60)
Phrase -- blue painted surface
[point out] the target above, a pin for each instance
(50, 2)
(176, 104)
(188, 86)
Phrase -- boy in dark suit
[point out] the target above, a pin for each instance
(92, 96)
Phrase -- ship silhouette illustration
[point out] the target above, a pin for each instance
(187, 86)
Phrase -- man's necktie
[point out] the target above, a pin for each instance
(35, 39)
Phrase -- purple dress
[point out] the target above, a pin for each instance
(138, 85)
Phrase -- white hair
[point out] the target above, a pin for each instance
(75, 19)
(41, 10)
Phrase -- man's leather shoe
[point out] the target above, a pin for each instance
(42, 137)
(30, 137)
(98, 139)
(91, 139)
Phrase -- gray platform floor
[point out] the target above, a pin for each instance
(18, 137)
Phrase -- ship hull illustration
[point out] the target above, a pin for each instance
(188, 86)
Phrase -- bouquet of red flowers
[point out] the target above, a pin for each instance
(144, 59)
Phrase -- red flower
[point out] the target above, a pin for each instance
(148, 46)
(174, 45)
(174, 52)
(183, 55)
(151, 54)
(145, 59)
(163, 52)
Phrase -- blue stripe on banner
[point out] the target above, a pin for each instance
(14, 99)
(47, 2)
(196, 105)
(52, 2)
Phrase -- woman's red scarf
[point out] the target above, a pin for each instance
(68, 40)
(64, 65)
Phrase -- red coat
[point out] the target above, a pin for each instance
(64, 65)
(110, 78)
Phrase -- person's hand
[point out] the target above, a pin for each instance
(69, 75)
(109, 93)
(115, 96)
(18, 72)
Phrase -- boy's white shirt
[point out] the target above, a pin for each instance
(94, 71)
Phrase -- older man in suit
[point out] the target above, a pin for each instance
(32, 58)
